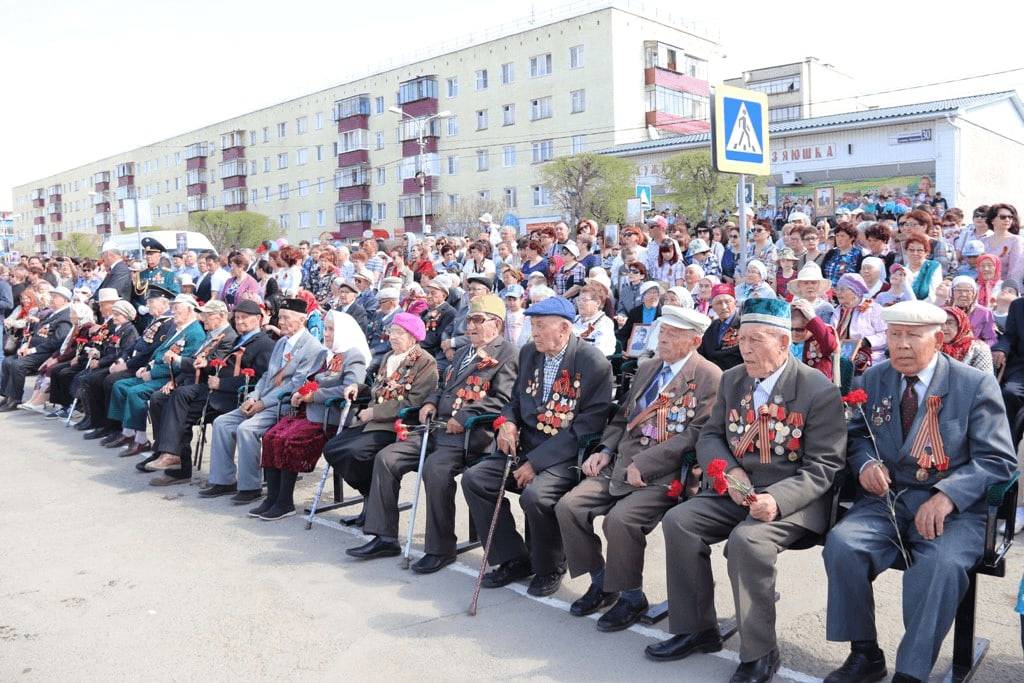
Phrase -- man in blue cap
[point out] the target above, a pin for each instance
(777, 433)
(562, 392)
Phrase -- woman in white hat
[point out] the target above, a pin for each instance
(645, 313)
(811, 285)
(754, 286)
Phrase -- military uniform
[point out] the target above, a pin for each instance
(159, 276)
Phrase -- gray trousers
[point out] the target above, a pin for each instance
(627, 521)
(480, 486)
(861, 546)
(234, 431)
(441, 466)
(752, 550)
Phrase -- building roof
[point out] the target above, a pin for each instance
(855, 119)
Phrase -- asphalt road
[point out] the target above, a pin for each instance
(103, 577)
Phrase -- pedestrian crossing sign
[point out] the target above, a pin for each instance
(739, 131)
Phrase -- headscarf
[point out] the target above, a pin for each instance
(987, 288)
(348, 336)
(960, 344)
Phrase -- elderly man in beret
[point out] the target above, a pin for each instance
(348, 292)
(942, 440)
(296, 356)
(641, 453)
(774, 443)
(719, 343)
(562, 392)
(479, 381)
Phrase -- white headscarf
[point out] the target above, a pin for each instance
(348, 335)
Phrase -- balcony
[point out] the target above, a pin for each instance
(125, 192)
(350, 212)
(100, 177)
(37, 194)
(235, 138)
(195, 176)
(235, 167)
(197, 150)
(357, 105)
(409, 204)
(104, 218)
(100, 198)
(39, 220)
(423, 88)
(352, 176)
(234, 199)
(675, 111)
(54, 191)
(53, 207)
(199, 202)
(125, 170)
(409, 129)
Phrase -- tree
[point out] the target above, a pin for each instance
(697, 189)
(463, 218)
(227, 229)
(590, 185)
(79, 245)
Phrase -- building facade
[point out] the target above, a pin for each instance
(801, 90)
(345, 159)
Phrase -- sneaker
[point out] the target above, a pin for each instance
(59, 413)
(34, 407)
(275, 513)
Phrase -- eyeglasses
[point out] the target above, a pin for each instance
(1005, 216)
(477, 319)
(757, 230)
(799, 330)
(634, 271)
(734, 237)
(915, 251)
(812, 238)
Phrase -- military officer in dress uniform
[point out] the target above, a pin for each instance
(154, 273)
(776, 438)
(641, 453)
(479, 381)
(942, 439)
(562, 392)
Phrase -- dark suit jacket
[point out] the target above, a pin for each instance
(441, 317)
(590, 414)
(724, 358)
(51, 332)
(148, 342)
(111, 351)
(1012, 341)
(256, 355)
(204, 287)
(119, 278)
(634, 317)
(360, 315)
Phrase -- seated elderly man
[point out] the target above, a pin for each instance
(641, 453)
(129, 399)
(479, 381)
(779, 433)
(942, 439)
(296, 356)
(561, 393)
(46, 337)
(719, 344)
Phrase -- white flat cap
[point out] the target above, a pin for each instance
(389, 293)
(913, 313)
(107, 294)
(684, 318)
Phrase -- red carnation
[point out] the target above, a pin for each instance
(116, 339)
(501, 419)
(675, 489)
(856, 397)
(305, 390)
(81, 340)
(401, 431)
(716, 468)
(217, 362)
(721, 485)
(250, 372)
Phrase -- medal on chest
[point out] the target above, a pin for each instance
(474, 389)
(559, 411)
(399, 383)
(882, 412)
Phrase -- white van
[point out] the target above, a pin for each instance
(128, 242)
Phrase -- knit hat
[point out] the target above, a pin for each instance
(774, 312)
(853, 282)
(411, 324)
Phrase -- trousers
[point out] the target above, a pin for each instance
(233, 432)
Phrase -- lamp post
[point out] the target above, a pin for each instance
(135, 208)
(421, 175)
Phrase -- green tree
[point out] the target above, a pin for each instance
(697, 189)
(590, 185)
(79, 245)
(227, 229)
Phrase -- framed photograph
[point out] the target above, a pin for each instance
(824, 201)
(637, 343)
(848, 348)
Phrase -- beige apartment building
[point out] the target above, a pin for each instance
(342, 161)
(802, 90)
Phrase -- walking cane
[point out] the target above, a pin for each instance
(202, 434)
(71, 411)
(327, 467)
(416, 494)
(509, 458)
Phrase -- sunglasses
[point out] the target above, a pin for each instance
(1005, 217)
(757, 230)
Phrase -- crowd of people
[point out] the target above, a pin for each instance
(711, 374)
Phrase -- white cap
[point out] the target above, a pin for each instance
(186, 280)
(366, 275)
(913, 313)
(61, 291)
(188, 300)
(799, 216)
(599, 276)
(107, 294)
(571, 247)
(698, 246)
(650, 284)
(684, 319)
(485, 218)
(389, 293)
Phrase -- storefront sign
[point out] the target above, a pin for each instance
(808, 153)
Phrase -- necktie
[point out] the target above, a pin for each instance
(651, 395)
(465, 363)
(908, 405)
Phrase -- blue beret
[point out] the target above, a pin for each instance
(774, 312)
(556, 305)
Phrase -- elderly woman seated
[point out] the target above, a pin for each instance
(960, 344)
(965, 297)
(859, 318)
(294, 444)
(406, 377)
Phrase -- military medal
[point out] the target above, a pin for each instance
(921, 474)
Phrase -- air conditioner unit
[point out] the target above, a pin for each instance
(791, 178)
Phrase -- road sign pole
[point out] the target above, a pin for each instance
(742, 224)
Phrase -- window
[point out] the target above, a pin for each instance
(483, 161)
(481, 79)
(282, 160)
(382, 175)
(576, 144)
(452, 87)
(353, 139)
(421, 88)
(320, 185)
(776, 86)
(177, 179)
(301, 156)
(254, 196)
(540, 108)
(318, 120)
(282, 191)
(577, 101)
(481, 119)
(379, 144)
(453, 201)
(266, 164)
(382, 211)
(484, 195)
(378, 104)
(252, 169)
(576, 57)
(684, 104)
(453, 126)
(266, 133)
(285, 220)
(508, 114)
(541, 196)
(543, 150)
(508, 73)
(510, 197)
(177, 155)
(282, 129)
(266, 194)
(321, 218)
(540, 65)
(303, 219)
(319, 152)
(303, 186)
(508, 155)
(784, 113)
(301, 124)
(453, 164)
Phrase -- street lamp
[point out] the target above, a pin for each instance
(421, 175)
(135, 208)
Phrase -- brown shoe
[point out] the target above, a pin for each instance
(121, 443)
(135, 449)
(164, 462)
(164, 480)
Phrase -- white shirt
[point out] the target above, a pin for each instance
(293, 340)
(763, 388)
(290, 280)
(603, 336)
(218, 280)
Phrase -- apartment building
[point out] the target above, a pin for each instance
(802, 90)
(345, 159)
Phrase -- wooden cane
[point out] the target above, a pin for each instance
(490, 534)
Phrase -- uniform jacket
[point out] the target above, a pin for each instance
(493, 374)
(725, 355)
(590, 414)
(51, 331)
(799, 485)
(288, 374)
(339, 372)
(417, 378)
(972, 422)
(189, 339)
(255, 354)
(217, 345)
(145, 344)
(660, 463)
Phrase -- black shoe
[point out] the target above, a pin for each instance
(98, 433)
(117, 440)
(277, 512)
(357, 520)
(262, 507)
(142, 466)
(904, 678)
(83, 425)
(860, 667)
(428, 564)
(8, 406)
(758, 671)
(507, 572)
(374, 549)
(58, 413)
(591, 601)
(214, 490)
(243, 497)
(684, 645)
(543, 585)
(623, 615)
